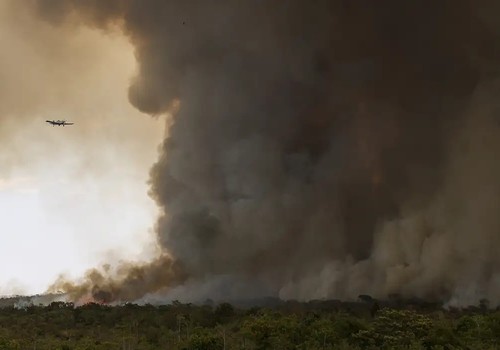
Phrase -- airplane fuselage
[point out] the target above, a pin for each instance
(58, 122)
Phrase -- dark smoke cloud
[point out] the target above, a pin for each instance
(328, 148)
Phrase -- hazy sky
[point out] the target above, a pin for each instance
(76, 196)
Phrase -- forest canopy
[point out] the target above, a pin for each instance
(286, 325)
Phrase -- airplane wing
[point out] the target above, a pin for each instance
(59, 122)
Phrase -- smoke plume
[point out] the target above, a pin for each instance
(127, 282)
(322, 150)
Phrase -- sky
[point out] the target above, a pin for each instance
(73, 197)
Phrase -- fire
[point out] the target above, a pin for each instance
(89, 299)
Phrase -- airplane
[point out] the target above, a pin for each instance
(58, 122)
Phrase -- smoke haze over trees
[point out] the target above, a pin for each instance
(316, 150)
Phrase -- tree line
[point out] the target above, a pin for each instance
(288, 325)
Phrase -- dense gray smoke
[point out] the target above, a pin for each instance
(321, 149)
